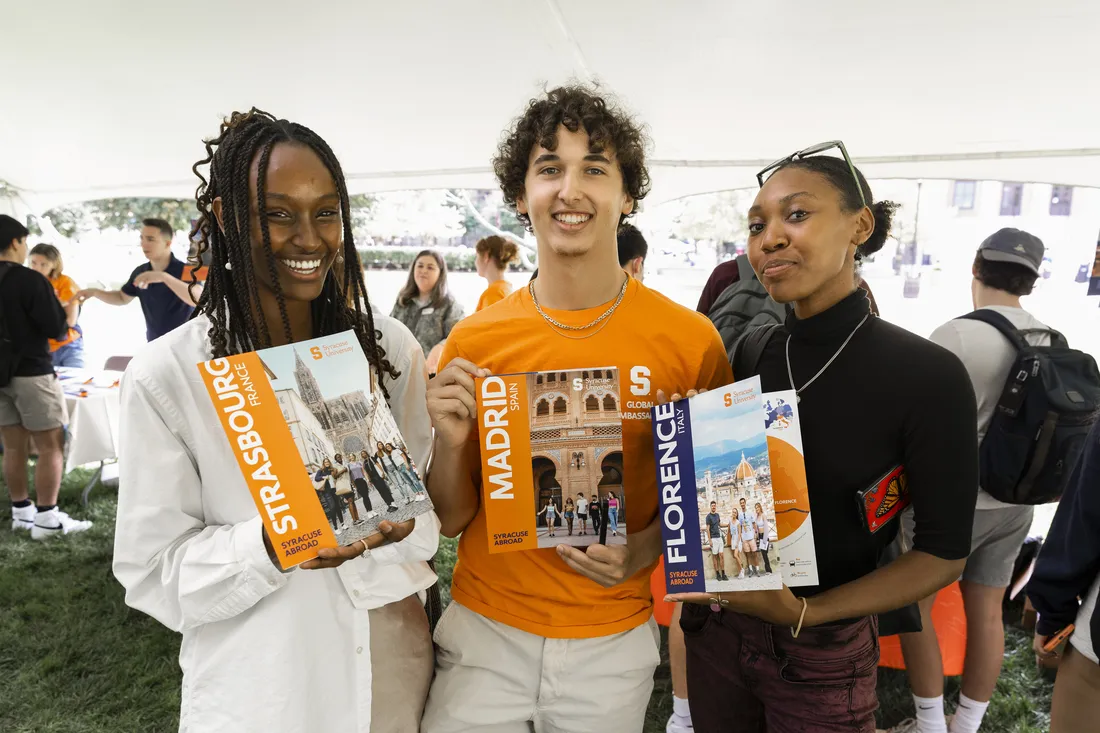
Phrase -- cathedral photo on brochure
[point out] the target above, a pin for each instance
(349, 443)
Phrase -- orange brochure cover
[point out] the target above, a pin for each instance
(552, 458)
(319, 449)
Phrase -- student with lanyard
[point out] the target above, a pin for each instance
(550, 636)
(806, 658)
(261, 646)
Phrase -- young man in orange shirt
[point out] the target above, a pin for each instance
(562, 638)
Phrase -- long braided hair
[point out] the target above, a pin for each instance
(230, 298)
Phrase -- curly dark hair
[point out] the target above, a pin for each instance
(230, 298)
(575, 106)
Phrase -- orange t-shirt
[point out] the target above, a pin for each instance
(656, 344)
(65, 289)
(498, 291)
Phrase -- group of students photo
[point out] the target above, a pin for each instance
(342, 487)
(585, 515)
(747, 534)
(563, 639)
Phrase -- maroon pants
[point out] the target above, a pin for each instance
(748, 676)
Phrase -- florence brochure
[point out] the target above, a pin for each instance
(714, 478)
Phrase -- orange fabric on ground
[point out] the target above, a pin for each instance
(65, 289)
(655, 344)
(496, 292)
(949, 620)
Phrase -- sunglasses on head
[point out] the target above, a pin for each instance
(814, 150)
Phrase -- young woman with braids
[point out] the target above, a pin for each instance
(872, 396)
(341, 643)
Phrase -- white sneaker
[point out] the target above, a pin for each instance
(55, 523)
(674, 726)
(741, 575)
(23, 518)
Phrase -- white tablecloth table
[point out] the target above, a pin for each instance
(93, 420)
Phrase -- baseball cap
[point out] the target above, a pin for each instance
(1015, 246)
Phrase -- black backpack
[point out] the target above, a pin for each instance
(742, 306)
(8, 356)
(1042, 419)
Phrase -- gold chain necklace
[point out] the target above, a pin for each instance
(565, 327)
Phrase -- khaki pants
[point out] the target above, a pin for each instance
(492, 678)
(401, 662)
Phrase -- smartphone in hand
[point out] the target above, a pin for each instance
(603, 520)
(1057, 640)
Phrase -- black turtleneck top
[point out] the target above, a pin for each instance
(889, 398)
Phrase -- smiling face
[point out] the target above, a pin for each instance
(302, 209)
(425, 274)
(574, 195)
(802, 243)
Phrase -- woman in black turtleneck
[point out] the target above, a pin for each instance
(888, 398)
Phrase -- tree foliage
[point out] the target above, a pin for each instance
(124, 214)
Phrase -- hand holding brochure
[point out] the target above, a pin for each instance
(319, 449)
(732, 482)
(551, 459)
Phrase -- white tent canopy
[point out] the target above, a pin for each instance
(113, 99)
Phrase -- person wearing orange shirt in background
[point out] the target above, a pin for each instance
(550, 636)
(493, 255)
(69, 352)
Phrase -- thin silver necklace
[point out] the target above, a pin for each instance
(798, 391)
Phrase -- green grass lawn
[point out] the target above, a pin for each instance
(75, 659)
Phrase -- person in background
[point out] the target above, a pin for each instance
(359, 482)
(377, 475)
(32, 404)
(613, 514)
(550, 510)
(322, 484)
(632, 251)
(717, 546)
(493, 255)
(595, 513)
(425, 306)
(1068, 569)
(569, 513)
(167, 295)
(582, 513)
(762, 532)
(69, 351)
(1005, 268)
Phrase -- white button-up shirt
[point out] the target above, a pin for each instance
(263, 650)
